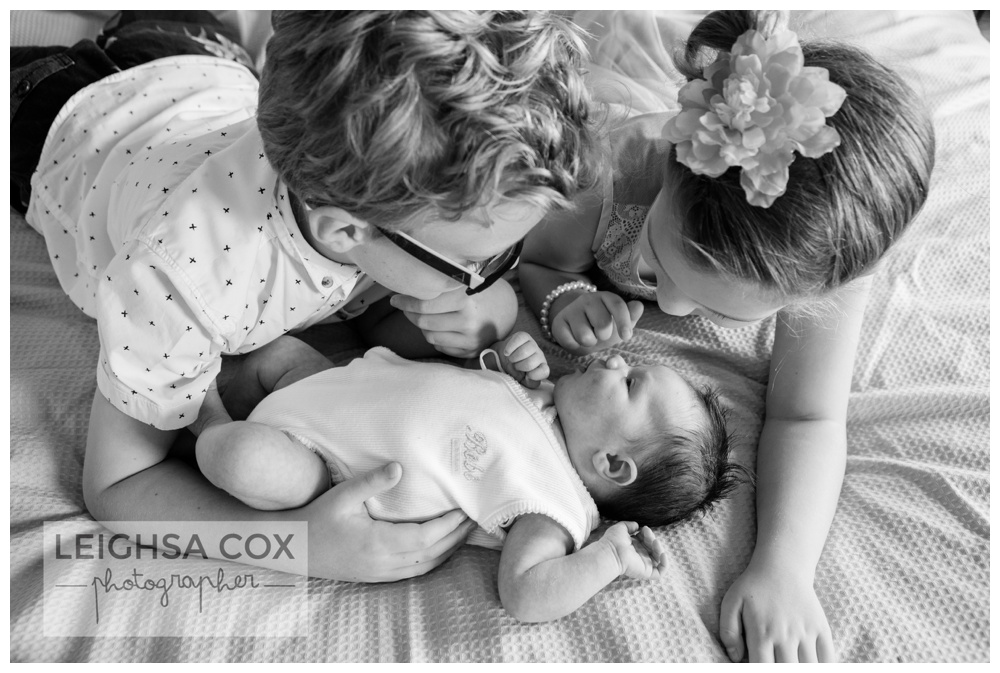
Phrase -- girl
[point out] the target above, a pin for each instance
(786, 176)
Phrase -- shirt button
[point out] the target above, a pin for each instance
(327, 281)
(23, 87)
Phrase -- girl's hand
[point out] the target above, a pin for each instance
(459, 324)
(640, 554)
(523, 359)
(779, 615)
(345, 543)
(593, 321)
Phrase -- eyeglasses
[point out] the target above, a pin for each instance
(476, 280)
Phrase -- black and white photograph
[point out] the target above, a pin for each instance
(395, 336)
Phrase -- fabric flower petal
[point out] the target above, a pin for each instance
(755, 107)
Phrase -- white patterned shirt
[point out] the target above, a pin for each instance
(165, 222)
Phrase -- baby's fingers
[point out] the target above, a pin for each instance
(525, 356)
(518, 342)
(654, 547)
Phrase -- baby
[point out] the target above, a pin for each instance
(532, 462)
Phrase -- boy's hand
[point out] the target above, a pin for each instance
(459, 324)
(594, 320)
(522, 358)
(640, 554)
(780, 616)
(345, 543)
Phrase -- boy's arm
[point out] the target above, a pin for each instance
(541, 580)
(129, 477)
(800, 467)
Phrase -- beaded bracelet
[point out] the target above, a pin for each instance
(543, 315)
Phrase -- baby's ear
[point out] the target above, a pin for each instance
(619, 469)
(337, 229)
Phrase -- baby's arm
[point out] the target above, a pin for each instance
(800, 468)
(541, 580)
(558, 251)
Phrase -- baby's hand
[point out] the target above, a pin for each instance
(523, 359)
(640, 554)
(595, 320)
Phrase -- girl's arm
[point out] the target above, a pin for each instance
(541, 580)
(800, 467)
(558, 251)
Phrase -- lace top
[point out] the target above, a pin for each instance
(617, 247)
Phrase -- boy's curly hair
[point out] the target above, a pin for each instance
(388, 113)
(684, 473)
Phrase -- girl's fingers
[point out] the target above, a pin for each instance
(731, 627)
(601, 321)
(786, 653)
(824, 648)
(563, 335)
(807, 652)
(583, 334)
(621, 315)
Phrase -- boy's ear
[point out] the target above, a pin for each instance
(337, 229)
(617, 468)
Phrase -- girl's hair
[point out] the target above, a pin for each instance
(842, 211)
(390, 113)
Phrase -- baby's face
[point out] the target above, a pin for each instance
(609, 402)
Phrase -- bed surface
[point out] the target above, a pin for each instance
(905, 572)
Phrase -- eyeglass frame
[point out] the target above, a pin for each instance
(473, 281)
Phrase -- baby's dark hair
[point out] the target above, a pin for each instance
(684, 472)
(842, 211)
(387, 114)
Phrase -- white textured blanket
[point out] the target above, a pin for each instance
(905, 572)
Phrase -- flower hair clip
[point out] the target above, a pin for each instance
(756, 106)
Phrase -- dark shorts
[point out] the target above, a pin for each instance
(42, 79)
